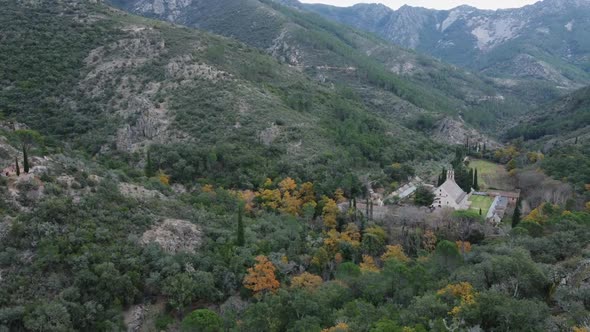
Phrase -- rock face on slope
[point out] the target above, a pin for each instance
(174, 236)
(550, 36)
(456, 132)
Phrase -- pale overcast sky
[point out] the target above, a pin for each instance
(438, 4)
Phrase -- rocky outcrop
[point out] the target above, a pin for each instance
(456, 132)
(174, 236)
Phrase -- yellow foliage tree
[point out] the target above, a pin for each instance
(261, 277)
(306, 193)
(290, 204)
(534, 157)
(307, 281)
(247, 196)
(339, 195)
(271, 198)
(287, 184)
(352, 235)
(536, 215)
(395, 252)
(164, 178)
(267, 183)
(463, 292)
(208, 188)
(429, 241)
(588, 206)
(580, 329)
(329, 212)
(368, 264)
(340, 327)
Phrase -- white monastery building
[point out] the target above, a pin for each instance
(449, 194)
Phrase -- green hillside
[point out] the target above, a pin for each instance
(207, 107)
(569, 117)
(161, 178)
(395, 81)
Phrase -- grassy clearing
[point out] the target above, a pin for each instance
(492, 175)
(481, 202)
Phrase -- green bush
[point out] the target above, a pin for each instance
(202, 320)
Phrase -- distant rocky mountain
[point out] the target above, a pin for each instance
(545, 41)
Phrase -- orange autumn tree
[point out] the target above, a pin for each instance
(340, 327)
(261, 277)
(463, 246)
(287, 185)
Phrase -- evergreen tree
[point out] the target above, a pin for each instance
(241, 239)
(25, 159)
(475, 180)
(480, 211)
(463, 179)
(517, 214)
(17, 167)
(149, 166)
(443, 177)
(471, 176)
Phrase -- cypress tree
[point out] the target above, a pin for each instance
(480, 212)
(17, 167)
(475, 181)
(149, 166)
(443, 177)
(367, 208)
(471, 177)
(241, 240)
(516, 216)
(25, 159)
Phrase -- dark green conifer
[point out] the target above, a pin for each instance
(241, 239)
(25, 159)
(149, 166)
(517, 214)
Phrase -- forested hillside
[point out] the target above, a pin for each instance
(395, 82)
(561, 130)
(155, 177)
(110, 83)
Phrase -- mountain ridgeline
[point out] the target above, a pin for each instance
(394, 81)
(546, 41)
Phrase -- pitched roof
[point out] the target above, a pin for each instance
(454, 191)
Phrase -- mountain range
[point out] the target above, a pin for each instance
(394, 81)
(544, 41)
